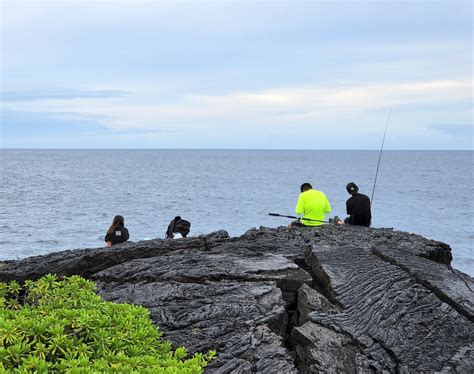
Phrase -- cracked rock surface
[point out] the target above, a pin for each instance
(327, 299)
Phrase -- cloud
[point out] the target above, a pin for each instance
(454, 130)
(299, 117)
(281, 108)
(220, 74)
(58, 94)
(129, 132)
(244, 44)
(58, 130)
(23, 124)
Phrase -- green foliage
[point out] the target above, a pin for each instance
(53, 325)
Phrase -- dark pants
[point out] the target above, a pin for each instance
(347, 221)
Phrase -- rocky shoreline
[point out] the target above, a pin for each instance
(329, 299)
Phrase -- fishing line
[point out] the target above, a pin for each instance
(380, 156)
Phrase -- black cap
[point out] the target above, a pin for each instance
(352, 187)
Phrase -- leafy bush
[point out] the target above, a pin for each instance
(53, 325)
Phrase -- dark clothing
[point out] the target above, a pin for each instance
(297, 223)
(118, 235)
(358, 208)
(178, 225)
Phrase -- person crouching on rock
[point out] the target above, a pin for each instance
(313, 204)
(117, 232)
(178, 227)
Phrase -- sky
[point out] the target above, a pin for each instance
(244, 75)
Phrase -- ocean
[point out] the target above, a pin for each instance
(51, 200)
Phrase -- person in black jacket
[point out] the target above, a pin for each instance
(358, 207)
(117, 232)
(178, 226)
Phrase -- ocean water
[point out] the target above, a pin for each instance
(51, 200)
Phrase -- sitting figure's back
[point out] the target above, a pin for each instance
(358, 207)
(117, 232)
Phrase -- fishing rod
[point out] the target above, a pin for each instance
(380, 156)
(294, 217)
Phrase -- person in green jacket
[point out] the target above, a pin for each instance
(313, 204)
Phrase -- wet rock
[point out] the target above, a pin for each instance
(328, 299)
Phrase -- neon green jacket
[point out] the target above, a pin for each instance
(313, 204)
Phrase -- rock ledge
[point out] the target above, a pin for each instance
(328, 299)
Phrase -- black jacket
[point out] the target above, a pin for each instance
(178, 225)
(118, 235)
(358, 208)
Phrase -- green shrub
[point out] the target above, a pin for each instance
(53, 325)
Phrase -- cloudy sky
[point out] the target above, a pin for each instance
(260, 74)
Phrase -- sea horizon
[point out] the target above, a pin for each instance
(240, 149)
(46, 192)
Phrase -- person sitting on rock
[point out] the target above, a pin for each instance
(117, 232)
(358, 207)
(313, 204)
(178, 227)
